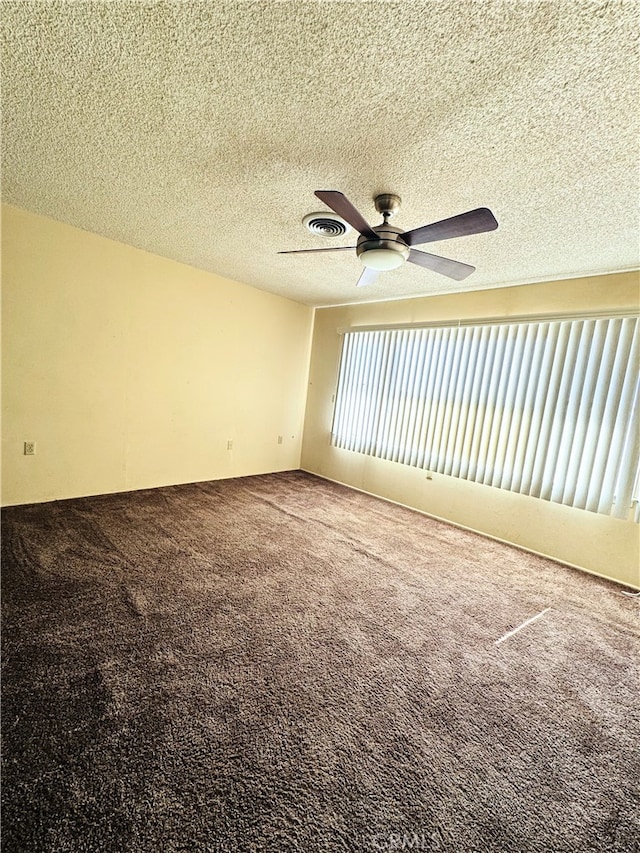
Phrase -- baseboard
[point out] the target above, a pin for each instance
(479, 532)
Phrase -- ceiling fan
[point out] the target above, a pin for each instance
(386, 247)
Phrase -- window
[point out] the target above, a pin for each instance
(543, 408)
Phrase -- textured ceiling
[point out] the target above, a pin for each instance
(199, 130)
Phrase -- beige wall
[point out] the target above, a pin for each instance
(129, 370)
(597, 543)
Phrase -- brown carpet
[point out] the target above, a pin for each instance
(277, 663)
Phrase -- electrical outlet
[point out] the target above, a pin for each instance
(229, 445)
(279, 439)
(29, 448)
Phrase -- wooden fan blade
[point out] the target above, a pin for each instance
(341, 205)
(328, 249)
(368, 276)
(472, 222)
(444, 266)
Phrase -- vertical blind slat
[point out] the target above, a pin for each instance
(495, 375)
(432, 361)
(404, 398)
(550, 405)
(595, 425)
(566, 369)
(374, 382)
(361, 368)
(460, 413)
(394, 383)
(439, 407)
(585, 400)
(490, 340)
(443, 339)
(617, 411)
(631, 449)
(380, 394)
(382, 401)
(519, 415)
(447, 401)
(525, 442)
(471, 391)
(469, 455)
(414, 391)
(501, 422)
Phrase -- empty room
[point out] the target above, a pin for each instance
(320, 426)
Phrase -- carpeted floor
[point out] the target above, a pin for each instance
(277, 663)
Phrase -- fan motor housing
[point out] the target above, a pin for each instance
(389, 240)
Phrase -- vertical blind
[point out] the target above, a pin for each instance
(549, 408)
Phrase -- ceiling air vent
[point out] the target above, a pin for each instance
(326, 224)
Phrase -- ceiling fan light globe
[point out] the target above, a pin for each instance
(382, 259)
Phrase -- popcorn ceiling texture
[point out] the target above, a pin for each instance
(199, 130)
